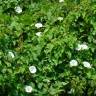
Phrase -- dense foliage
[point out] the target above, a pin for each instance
(64, 25)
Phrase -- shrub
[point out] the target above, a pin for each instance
(56, 57)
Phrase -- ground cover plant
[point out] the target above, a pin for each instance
(47, 48)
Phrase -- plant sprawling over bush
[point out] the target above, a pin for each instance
(48, 48)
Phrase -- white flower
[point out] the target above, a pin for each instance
(82, 47)
(28, 89)
(60, 18)
(86, 64)
(61, 1)
(73, 63)
(18, 9)
(11, 54)
(38, 33)
(38, 25)
(32, 69)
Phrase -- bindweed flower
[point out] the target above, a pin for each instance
(28, 89)
(73, 63)
(82, 47)
(32, 69)
(60, 18)
(61, 1)
(11, 54)
(18, 9)
(38, 25)
(86, 64)
(38, 34)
